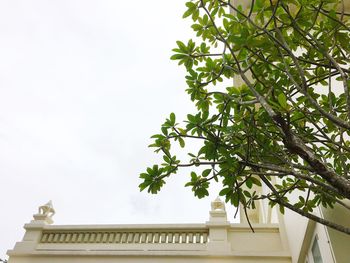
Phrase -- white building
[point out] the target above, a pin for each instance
(291, 239)
(214, 241)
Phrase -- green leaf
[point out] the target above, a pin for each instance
(255, 181)
(191, 8)
(166, 159)
(249, 183)
(178, 56)
(225, 191)
(206, 172)
(194, 176)
(181, 46)
(282, 100)
(164, 130)
(281, 207)
(235, 199)
(182, 142)
(172, 118)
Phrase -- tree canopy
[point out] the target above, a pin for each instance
(270, 81)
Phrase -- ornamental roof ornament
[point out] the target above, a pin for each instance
(217, 204)
(45, 213)
(47, 209)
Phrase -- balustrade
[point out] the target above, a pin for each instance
(199, 236)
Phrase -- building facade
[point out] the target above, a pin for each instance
(216, 240)
(276, 239)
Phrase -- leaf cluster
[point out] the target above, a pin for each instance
(284, 122)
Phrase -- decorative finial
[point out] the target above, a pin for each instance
(47, 209)
(45, 213)
(217, 204)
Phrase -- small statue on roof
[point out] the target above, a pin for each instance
(45, 214)
(47, 209)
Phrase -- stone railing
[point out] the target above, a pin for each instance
(142, 236)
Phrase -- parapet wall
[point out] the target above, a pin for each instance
(215, 241)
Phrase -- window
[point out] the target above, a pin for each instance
(316, 253)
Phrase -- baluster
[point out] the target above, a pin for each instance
(184, 238)
(92, 238)
(62, 237)
(190, 238)
(156, 238)
(136, 238)
(177, 238)
(86, 237)
(205, 238)
(80, 237)
(98, 237)
(44, 238)
(170, 238)
(124, 238)
(130, 237)
(74, 237)
(198, 238)
(162, 238)
(56, 237)
(150, 238)
(111, 237)
(104, 237)
(68, 238)
(143, 238)
(117, 238)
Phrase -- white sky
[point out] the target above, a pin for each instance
(83, 85)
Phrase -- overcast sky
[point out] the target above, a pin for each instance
(83, 85)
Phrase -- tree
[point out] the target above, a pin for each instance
(271, 85)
